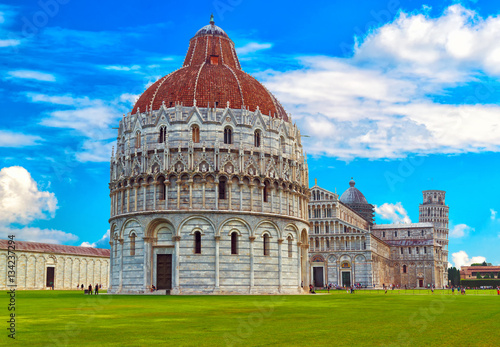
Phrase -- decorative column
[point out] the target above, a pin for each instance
(281, 199)
(217, 239)
(252, 279)
(190, 183)
(136, 188)
(129, 188)
(280, 264)
(148, 263)
(144, 195)
(179, 182)
(121, 265)
(229, 194)
(299, 265)
(216, 182)
(271, 188)
(251, 196)
(167, 184)
(176, 286)
(241, 195)
(204, 183)
(111, 261)
(155, 188)
(262, 186)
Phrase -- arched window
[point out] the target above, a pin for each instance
(425, 250)
(317, 243)
(256, 138)
(408, 233)
(222, 188)
(401, 250)
(138, 139)
(265, 192)
(162, 189)
(290, 247)
(409, 250)
(197, 242)
(266, 244)
(132, 244)
(327, 243)
(163, 134)
(196, 133)
(282, 145)
(404, 269)
(234, 242)
(383, 233)
(395, 234)
(228, 136)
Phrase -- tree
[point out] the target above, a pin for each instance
(454, 276)
(486, 276)
(478, 275)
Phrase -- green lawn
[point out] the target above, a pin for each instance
(71, 318)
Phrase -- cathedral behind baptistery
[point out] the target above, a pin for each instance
(209, 183)
(347, 248)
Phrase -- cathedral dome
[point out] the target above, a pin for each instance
(352, 195)
(211, 76)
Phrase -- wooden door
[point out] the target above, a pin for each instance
(164, 271)
(50, 277)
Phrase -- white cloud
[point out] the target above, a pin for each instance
(130, 98)
(59, 99)
(9, 42)
(12, 139)
(95, 151)
(493, 214)
(460, 230)
(395, 213)
(20, 200)
(38, 235)
(93, 121)
(379, 103)
(122, 67)
(253, 47)
(33, 75)
(102, 242)
(461, 258)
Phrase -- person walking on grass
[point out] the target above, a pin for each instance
(90, 289)
(96, 289)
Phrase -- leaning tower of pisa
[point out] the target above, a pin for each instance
(434, 210)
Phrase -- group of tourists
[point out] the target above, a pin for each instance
(90, 289)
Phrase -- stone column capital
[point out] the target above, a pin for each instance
(252, 238)
(176, 238)
(217, 237)
(280, 241)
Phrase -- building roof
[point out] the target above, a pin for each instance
(210, 77)
(352, 195)
(59, 249)
(402, 226)
(480, 268)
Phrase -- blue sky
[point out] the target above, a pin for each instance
(401, 95)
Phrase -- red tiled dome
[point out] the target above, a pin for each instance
(211, 75)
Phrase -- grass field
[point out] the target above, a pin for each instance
(71, 318)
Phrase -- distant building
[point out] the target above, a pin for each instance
(471, 272)
(39, 265)
(346, 248)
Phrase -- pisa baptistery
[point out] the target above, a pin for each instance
(209, 183)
